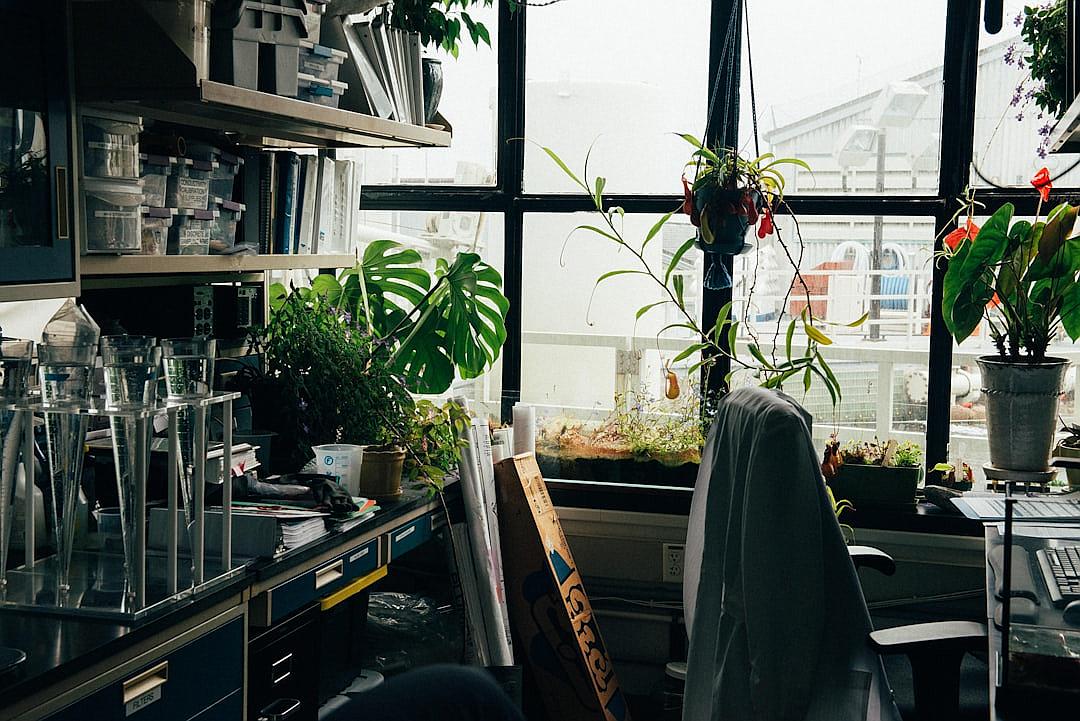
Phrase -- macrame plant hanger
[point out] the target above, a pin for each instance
(716, 275)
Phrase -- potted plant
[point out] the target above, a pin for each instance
(1069, 447)
(873, 474)
(1044, 32)
(729, 194)
(344, 355)
(1021, 277)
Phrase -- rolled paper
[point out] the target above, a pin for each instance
(502, 444)
(524, 429)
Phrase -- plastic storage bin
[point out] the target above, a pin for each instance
(256, 44)
(321, 62)
(111, 145)
(190, 232)
(156, 223)
(189, 185)
(223, 177)
(155, 171)
(322, 92)
(223, 227)
(113, 219)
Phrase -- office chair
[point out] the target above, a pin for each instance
(779, 628)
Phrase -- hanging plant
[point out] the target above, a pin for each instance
(1044, 32)
(727, 195)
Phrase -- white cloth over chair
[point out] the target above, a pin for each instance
(778, 624)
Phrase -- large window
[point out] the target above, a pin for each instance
(877, 98)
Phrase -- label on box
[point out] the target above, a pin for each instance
(194, 236)
(141, 702)
(191, 192)
(116, 213)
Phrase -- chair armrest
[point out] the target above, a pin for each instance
(870, 557)
(940, 636)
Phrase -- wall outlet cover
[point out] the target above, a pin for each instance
(674, 556)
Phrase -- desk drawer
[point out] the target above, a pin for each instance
(405, 538)
(177, 687)
(323, 580)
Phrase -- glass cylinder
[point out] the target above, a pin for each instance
(189, 376)
(131, 365)
(15, 358)
(66, 372)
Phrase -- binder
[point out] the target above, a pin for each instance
(288, 184)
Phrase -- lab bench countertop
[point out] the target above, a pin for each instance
(57, 647)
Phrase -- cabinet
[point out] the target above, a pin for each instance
(38, 251)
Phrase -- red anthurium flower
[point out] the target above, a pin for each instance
(968, 232)
(688, 197)
(765, 227)
(1041, 181)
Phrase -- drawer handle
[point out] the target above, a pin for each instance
(285, 661)
(404, 534)
(146, 682)
(280, 710)
(329, 574)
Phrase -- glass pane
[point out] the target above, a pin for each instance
(1010, 129)
(882, 365)
(24, 163)
(870, 123)
(469, 104)
(595, 375)
(621, 74)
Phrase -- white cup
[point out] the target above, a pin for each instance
(342, 461)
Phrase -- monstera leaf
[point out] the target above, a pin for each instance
(454, 321)
(462, 325)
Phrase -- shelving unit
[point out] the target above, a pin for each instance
(107, 265)
(265, 120)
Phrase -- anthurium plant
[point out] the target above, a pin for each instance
(1021, 276)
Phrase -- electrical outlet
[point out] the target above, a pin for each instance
(673, 560)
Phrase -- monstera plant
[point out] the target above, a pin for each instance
(433, 323)
(343, 355)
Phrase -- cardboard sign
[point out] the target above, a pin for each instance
(552, 622)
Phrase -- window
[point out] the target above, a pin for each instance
(468, 103)
(862, 105)
(622, 76)
(881, 365)
(594, 373)
(1010, 129)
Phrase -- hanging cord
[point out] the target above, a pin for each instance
(750, 68)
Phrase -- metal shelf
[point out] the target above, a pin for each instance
(265, 120)
(101, 265)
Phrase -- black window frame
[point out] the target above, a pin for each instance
(960, 66)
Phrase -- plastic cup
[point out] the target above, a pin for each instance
(342, 461)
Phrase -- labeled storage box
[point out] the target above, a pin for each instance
(223, 227)
(321, 62)
(155, 171)
(552, 621)
(156, 223)
(189, 185)
(113, 217)
(190, 232)
(321, 92)
(223, 174)
(110, 143)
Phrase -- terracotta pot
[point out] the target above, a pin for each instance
(380, 472)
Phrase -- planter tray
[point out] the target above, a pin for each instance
(876, 486)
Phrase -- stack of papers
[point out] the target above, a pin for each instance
(364, 513)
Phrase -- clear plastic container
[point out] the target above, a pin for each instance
(156, 223)
(111, 145)
(155, 171)
(189, 185)
(223, 178)
(223, 227)
(190, 232)
(113, 219)
(321, 62)
(321, 92)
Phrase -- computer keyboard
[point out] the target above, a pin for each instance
(1061, 570)
(1032, 508)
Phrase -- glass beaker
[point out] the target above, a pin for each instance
(15, 358)
(66, 372)
(131, 365)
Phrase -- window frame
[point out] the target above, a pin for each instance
(960, 66)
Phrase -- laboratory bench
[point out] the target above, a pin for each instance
(194, 660)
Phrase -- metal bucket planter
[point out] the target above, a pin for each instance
(1021, 410)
